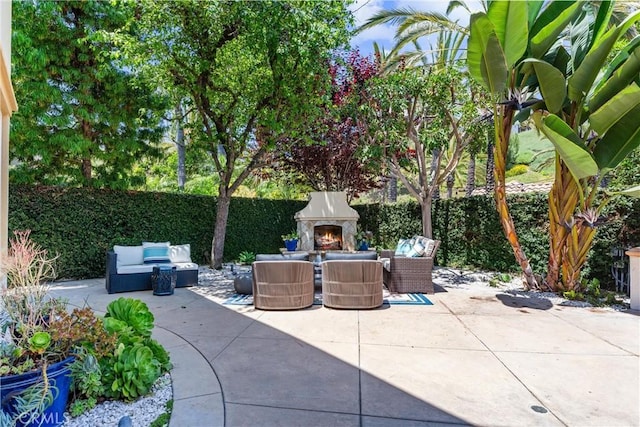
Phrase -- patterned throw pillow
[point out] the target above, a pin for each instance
(404, 246)
(423, 246)
(155, 253)
(417, 249)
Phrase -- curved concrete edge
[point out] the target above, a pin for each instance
(197, 394)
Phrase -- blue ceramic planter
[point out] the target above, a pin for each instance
(291, 244)
(59, 377)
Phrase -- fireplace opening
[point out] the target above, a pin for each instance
(327, 237)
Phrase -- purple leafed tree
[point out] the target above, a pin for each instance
(332, 154)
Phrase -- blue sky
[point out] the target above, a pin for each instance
(364, 9)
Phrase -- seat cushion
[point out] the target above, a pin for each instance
(301, 256)
(364, 255)
(133, 269)
(148, 268)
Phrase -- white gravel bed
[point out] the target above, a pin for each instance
(490, 281)
(142, 412)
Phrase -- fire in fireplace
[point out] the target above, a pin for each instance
(327, 237)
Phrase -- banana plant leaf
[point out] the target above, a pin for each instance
(551, 22)
(626, 72)
(618, 106)
(621, 138)
(552, 84)
(569, 146)
(485, 58)
(510, 21)
(631, 192)
(581, 82)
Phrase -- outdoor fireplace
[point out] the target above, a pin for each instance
(327, 237)
(327, 223)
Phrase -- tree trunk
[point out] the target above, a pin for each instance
(490, 180)
(575, 254)
(180, 146)
(425, 206)
(435, 194)
(563, 200)
(86, 170)
(220, 231)
(393, 188)
(451, 180)
(500, 157)
(471, 177)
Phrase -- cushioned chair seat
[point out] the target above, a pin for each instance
(355, 284)
(282, 285)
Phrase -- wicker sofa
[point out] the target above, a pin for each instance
(127, 269)
(404, 274)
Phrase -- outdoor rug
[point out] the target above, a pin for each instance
(389, 298)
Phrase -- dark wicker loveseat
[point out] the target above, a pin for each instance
(137, 277)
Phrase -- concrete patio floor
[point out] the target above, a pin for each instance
(477, 356)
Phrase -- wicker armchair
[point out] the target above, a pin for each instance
(282, 285)
(352, 284)
(407, 274)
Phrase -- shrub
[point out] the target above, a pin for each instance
(517, 170)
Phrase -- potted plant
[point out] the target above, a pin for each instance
(290, 241)
(364, 240)
(47, 351)
(34, 365)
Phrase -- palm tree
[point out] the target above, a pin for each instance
(414, 26)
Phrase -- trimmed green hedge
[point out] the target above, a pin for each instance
(471, 235)
(80, 224)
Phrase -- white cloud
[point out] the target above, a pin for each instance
(382, 34)
(365, 9)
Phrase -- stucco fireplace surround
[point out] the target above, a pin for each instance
(327, 208)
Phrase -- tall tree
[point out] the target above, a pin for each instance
(83, 118)
(589, 109)
(246, 66)
(415, 113)
(444, 38)
(414, 28)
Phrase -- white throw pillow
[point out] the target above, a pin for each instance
(180, 253)
(429, 245)
(128, 255)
